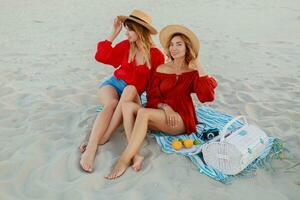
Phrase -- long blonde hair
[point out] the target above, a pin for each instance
(145, 38)
(191, 57)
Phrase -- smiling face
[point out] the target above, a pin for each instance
(177, 47)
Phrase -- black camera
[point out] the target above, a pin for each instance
(210, 134)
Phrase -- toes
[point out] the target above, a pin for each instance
(85, 165)
(87, 168)
(112, 175)
(138, 161)
(136, 168)
(116, 173)
(109, 176)
(82, 147)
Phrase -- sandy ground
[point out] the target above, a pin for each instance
(48, 96)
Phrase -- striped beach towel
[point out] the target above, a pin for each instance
(210, 118)
(214, 119)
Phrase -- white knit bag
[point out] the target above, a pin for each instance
(234, 153)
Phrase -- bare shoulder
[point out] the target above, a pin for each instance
(164, 68)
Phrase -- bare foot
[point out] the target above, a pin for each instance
(118, 170)
(82, 147)
(87, 160)
(137, 162)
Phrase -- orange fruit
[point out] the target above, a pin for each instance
(176, 145)
(188, 143)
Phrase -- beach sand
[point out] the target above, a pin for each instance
(48, 79)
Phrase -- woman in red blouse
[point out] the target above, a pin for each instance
(169, 104)
(135, 59)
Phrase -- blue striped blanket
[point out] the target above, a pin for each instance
(211, 118)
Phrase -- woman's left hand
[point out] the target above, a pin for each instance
(172, 116)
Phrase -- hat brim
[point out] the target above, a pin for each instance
(152, 30)
(168, 31)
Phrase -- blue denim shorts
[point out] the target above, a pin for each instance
(118, 84)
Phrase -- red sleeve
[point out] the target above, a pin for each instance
(204, 87)
(111, 55)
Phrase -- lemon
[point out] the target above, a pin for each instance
(176, 144)
(188, 143)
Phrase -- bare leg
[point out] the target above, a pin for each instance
(155, 119)
(129, 94)
(109, 99)
(129, 110)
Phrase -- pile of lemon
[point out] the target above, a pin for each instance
(178, 144)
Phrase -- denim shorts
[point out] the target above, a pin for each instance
(118, 84)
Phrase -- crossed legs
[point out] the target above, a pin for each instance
(107, 121)
(154, 119)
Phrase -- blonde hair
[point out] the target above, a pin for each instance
(191, 57)
(145, 38)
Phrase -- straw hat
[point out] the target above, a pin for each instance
(141, 18)
(169, 30)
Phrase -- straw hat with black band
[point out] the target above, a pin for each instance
(168, 31)
(141, 18)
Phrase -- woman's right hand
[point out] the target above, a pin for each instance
(117, 26)
(172, 116)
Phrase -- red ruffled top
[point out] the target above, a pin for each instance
(176, 92)
(131, 73)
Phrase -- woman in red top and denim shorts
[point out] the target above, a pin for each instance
(170, 107)
(135, 59)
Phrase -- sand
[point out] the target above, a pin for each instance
(48, 96)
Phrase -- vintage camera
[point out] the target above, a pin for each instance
(210, 134)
